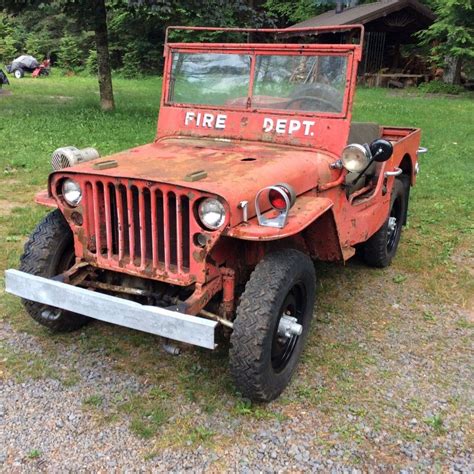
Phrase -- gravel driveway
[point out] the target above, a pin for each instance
(385, 385)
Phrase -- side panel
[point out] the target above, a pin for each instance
(359, 220)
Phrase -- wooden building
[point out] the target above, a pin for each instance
(390, 25)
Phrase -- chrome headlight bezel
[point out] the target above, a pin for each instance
(355, 158)
(212, 213)
(71, 192)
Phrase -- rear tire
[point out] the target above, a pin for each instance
(381, 248)
(49, 252)
(19, 73)
(262, 360)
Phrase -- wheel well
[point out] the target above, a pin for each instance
(407, 166)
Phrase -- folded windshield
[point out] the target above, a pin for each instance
(311, 83)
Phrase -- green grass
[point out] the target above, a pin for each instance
(34, 454)
(334, 378)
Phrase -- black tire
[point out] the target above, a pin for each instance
(19, 73)
(262, 361)
(49, 252)
(381, 248)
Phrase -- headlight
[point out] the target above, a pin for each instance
(72, 192)
(355, 158)
(212, 213)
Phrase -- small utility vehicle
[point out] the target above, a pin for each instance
(27, 63)
(256, 171)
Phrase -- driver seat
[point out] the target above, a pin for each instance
(361, 133)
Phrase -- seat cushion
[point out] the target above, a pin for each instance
(364, 132)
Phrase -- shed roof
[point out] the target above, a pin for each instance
(366, 13)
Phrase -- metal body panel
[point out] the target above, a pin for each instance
(151, 319)
(306, 209)
(194, 161)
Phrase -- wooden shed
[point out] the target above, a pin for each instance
(389, 25)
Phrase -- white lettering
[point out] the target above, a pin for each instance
(207, 120)
(307, 125)
(281, 125)
(189, 117)
(294, 126)
(220, 121)
(267, 124)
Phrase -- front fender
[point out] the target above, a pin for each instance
(307, 208)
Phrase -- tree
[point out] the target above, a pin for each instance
(90, 14)
(451, 36)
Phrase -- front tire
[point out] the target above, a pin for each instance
(272, 324)
(49, 252)
(381, 248)
(19, 73)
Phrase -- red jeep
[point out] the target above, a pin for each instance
(256, 171)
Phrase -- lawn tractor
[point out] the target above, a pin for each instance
(26, 63)
(210, 232)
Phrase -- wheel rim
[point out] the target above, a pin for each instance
(65, 263)
(393, 226)
(291, 311)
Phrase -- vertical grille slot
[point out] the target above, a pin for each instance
(185, 230)
(148, 248)
(160, 233)
(172, 210)
(112, 229)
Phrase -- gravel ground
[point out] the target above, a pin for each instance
(387, 391)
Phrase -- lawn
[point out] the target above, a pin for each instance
(362, 332)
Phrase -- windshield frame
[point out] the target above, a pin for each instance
(254, 50)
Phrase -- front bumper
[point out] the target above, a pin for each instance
(160, 321)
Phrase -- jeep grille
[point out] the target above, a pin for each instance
(140, 226)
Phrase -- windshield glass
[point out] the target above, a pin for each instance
(293, 82)
(209, 78)
(306, 83)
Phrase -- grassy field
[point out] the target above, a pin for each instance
(359, 310)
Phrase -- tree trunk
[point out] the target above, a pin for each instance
(103, 63)
(452, 71)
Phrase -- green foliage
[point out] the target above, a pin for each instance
(287, 13)
(132, 64)
(91, 62)
(439, 87)
(64, 30)
(452, 34)
(8, 43)
(69, 54)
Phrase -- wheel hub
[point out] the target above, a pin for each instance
(392, 227)
(288, 327)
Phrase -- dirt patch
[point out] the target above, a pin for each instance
(61, 98)
(4, 93)
(6, 207)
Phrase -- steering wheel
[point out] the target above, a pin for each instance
(310, 98)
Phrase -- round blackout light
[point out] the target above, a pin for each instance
(72, 192)
(212, 213)
(355, 158)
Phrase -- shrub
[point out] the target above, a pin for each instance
(8, 49)
(131, 64)
(440, 87)
(91, 63)
(69, 54)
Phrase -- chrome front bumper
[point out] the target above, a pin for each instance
(160, 321)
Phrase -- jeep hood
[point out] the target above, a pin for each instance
(235, 171)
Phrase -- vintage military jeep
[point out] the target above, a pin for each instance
(256, 171)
